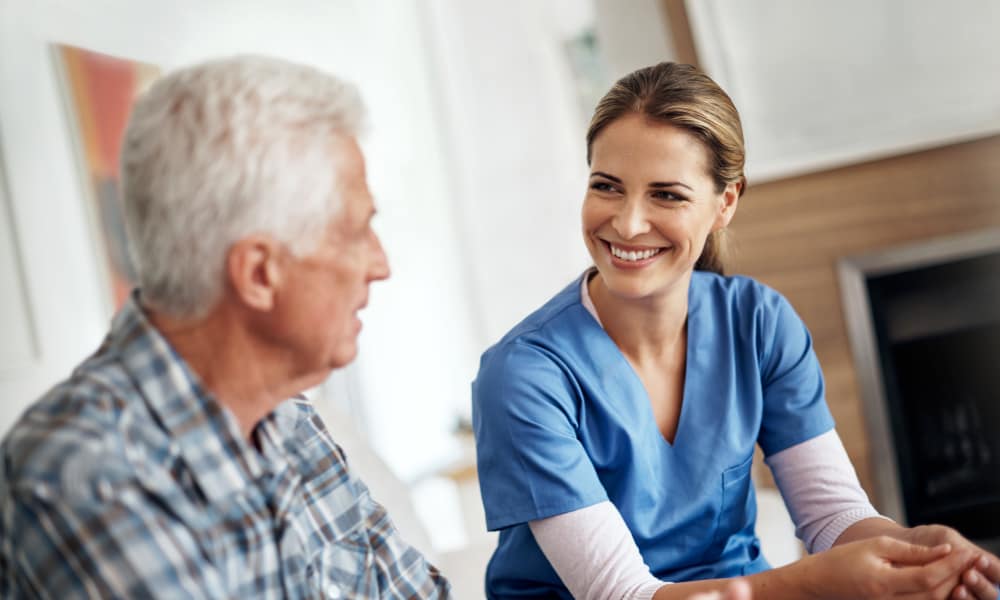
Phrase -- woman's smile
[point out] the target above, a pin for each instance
(632, 257)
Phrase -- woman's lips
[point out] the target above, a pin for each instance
(632, 257)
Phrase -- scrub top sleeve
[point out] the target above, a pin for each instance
(531, 462)
(795, 408)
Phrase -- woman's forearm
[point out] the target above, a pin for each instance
(783, 583)
(869, 528)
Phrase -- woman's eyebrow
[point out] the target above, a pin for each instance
(606, 176)
(655, 184)
(666, 184)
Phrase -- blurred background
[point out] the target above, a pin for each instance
(872, 134)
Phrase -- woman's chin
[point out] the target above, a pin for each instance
(631, 286)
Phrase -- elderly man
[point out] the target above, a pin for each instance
(180, 460)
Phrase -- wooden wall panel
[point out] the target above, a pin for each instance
(790, 234)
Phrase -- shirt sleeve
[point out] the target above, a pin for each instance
(114, 547)
(594, 554)
(821, 489)
(404, 571)
(530, 459)
(795, 408)
(401, 569)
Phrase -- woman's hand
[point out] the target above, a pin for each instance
(882, 567)
(979, 580)
(737, 590)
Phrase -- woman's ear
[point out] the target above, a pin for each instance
(730, 198)
(254, 270)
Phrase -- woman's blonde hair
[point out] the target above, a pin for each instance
(684, 97)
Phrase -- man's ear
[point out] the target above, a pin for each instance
(254, 267)
(730, 199)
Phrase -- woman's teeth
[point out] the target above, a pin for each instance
(632, 255)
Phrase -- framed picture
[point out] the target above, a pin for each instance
(99, 91)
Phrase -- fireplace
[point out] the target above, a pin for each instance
(924, 324)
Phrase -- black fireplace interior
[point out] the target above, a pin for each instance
(938, 331)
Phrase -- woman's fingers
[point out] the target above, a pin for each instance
(977, 585)
(905, 553)
(738, 590)
(988, 565)
(707, 596)
(943, 573)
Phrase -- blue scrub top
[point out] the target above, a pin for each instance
(563, 422)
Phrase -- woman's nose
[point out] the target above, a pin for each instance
(630, 220)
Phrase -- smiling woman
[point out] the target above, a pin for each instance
(616, 425)
(652, 203)
(714, 146)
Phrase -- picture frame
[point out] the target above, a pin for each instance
(98, 92)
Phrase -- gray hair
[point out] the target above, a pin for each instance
(221, 150)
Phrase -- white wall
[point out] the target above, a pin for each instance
(516, 152)
(632, 34)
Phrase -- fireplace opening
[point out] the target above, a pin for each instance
(924, 322)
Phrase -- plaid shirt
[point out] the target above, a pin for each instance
(130, 481)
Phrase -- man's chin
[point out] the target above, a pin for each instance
(344, 356)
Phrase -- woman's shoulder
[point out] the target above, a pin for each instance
(748, 311)
(733, 291)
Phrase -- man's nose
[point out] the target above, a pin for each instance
(631, 219)
(379, 268)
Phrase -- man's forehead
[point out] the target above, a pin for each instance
(348, 158)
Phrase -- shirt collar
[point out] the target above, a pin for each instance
(205, 432)
(694, 295)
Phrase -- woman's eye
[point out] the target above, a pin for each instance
(601, 186)
(670, 196)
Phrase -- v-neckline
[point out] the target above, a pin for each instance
(637, 381)
(649, 400)
(639, 384)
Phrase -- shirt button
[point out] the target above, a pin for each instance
(104, 490)
(42, 491)
(332, 591)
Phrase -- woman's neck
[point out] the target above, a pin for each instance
(645, 329)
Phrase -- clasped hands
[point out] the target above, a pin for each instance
(929, 561)
(926, 562)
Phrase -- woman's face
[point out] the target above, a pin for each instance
(650, 204)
